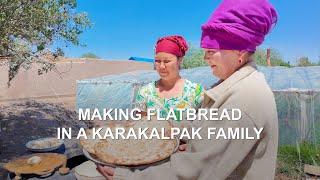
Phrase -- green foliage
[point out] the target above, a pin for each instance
(193, 58)
(291, 159)
(260, 57)
(59, 52)
(304, 61)
(28, 28)
(90, 55)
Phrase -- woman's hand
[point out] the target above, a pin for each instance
(182, 147)
(106, 171)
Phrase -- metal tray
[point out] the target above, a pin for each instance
(30, 147)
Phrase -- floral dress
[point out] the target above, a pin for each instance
(147, 98)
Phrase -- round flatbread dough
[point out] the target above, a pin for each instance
(89, 143)
(132, 152)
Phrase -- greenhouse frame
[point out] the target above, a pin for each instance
(296, 90)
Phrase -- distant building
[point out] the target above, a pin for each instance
(141, 59)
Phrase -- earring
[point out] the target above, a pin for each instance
(240, 60)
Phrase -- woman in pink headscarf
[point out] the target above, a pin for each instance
(229, 39)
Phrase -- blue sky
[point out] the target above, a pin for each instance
(124, 28)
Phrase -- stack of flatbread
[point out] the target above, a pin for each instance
(131, 152)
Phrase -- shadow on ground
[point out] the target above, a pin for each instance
(25, 121)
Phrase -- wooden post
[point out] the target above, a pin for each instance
(304, 123)
(268, 57)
